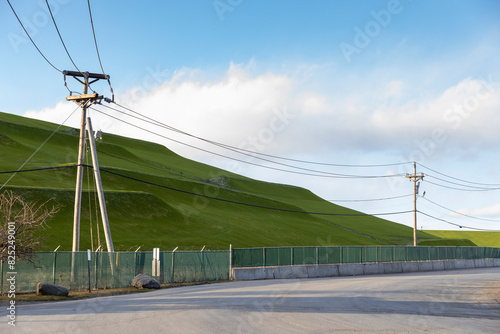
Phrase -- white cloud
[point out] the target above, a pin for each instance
(244, 108)
(58, 114)
(489, 211)
(394, 88)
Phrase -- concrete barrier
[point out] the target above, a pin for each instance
(373, 269)
(356, 269)
(241, 274)
(290, 272)
(425, 266)
(437, 265)
(479, 263)
(459, 264)
(351, 269)
(469, 264)
(409, 267)
(392, 267)
(449, 264)
(326, 270)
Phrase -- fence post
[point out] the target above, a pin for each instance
(291, 255)
(54, 268)
(95, 267)
(317, 255)
(263, 256)
(173, 265)
(1, 277)
(230, 261)
(88, 265)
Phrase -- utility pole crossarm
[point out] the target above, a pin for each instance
(87, 75)
(93, 96)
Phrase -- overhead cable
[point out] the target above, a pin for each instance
(454, 188)
(97, 49)
(462, 185)
(368, 200)
(40, 169)
(458, 225)
(60, 37)
(457, 212)
(325, 174)
(252, 153)
(249, 204)
(457, 179)
(32, 42)
(38, 149)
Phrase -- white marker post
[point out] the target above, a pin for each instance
(156, 262)
(88, 256)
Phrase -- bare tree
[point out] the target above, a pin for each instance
(19, 223)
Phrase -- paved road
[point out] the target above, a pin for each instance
(462, 301)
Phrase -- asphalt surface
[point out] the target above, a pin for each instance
(461, 301)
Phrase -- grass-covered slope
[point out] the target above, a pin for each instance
(170, 215)
(479, 238)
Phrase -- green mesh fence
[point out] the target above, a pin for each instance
(116, 270)
(286, 256)
(113, 270)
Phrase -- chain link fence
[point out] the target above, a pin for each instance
(286, 256)
(116, 270)
(113, 270)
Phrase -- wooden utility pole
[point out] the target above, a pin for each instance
(100, 191)
(415, 178)
(84, 101)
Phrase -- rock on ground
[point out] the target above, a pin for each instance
(51, 289)
(144, 281)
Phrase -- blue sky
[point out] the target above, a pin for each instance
(365, 82)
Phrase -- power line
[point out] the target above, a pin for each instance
(60, 37)
(204, 150)
(460, 189)
(38, 149)
(32, 42)
(164, 169)
(462, 185)
(206, 196)
(95, 40)
(40, 169)
(253, 152)
(97, 50)
(461, 226)
(187, 176)
(457, 179)
(463, 214)
(369, 200)
(249, 204)
(326, 174)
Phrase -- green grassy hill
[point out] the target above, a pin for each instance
(170, 215)
(480, 238)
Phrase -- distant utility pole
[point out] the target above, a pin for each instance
(415, 178)
(84, 101)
